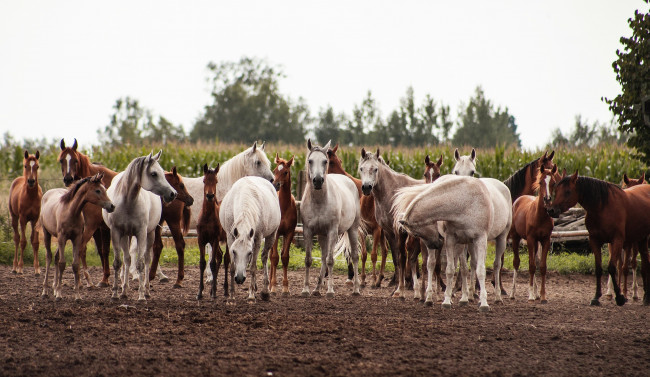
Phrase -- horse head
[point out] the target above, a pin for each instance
(176, 181)
(210, 183)
(317, 164)
(369, 170)
(546, 161)
(241, 249)
(432, 169)
(633, 182)
(335, 165)
(69, 160)
(465, 165)
(152, 178)
(96, 193)
(565, 195)
(30, 168)
(282, 172)
(256, 163)
(546, 181)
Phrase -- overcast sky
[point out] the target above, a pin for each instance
(64, 63)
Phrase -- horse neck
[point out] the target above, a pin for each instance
(76, 205)
(284, 194)
(209, 208)
(228, 175)
(388, 181)
(131, 191)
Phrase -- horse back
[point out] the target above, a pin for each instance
(25, 201)
(50, 205)
(638, 224)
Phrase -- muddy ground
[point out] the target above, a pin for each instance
(174, 335)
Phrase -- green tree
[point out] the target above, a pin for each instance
(125, 125)
(586, 135)
(247, 105)
(445, 122)
(365, 119)
(632, 71)
(329, 126)
(480, 125)
(163, 132)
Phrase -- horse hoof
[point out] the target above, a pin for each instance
(250, 300)
(316, 293)
(77, 299)
(363, 284)
(329, 294)
(512, 297)
(199, 297)
(503, 292)
(14, 272)
(164, 280)
(102, 284)
(498, 302)
(353, 294)
(463, 303)
(446, 306)
(609, 296)
(265, 296)
(37, 274)
(57, 298)
(620, 300)
(635, 298)
(304, 294)
(484, 309)
(285, 293)
(595, 302)
(177, 286)
(428, 303)
(349, 283)
(544, 301)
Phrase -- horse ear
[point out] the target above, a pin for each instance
(277, 159)
(456, 154)
(550, 156)
(216, 170)
(363, 152)
(290, 162)
(100, 175)
(262, 146)
(157, 155)
(439, 163)
(336, 148)
(38, 154)
(473, 155)
(563, 172)
(378, 153)
(62, 144)
(26, 154)
(642, 178)
(205, 168)
(309, 144)
(554, 170)
(545, 156)
(626, 179)
(327, 146)
(574, 177)
(74, 145)
(427, 160)
(174, 171)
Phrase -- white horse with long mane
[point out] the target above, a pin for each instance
(330, 208)
(135, 193)
(249, 212)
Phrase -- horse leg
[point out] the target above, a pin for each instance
(209, 276)
(307, 235)
(144, 268)
(425, 257)
(47, 241)
(353, 236)
(413, 262)
(23, 244)
(231, 299)
(331, 237)
(322, 241)
(546, 245)
(616, 249)
(464, 271)
(35, 241)
(61, 267)
(376, 240)
(117, 262)
(252, 288)
(75, 265)
(364, 258)
(515, 264)
(401, 253)
(500, 249)
(645, 270)
(268, 243)
(226, 263)
(286, 246)
(126, 250)
(633, 264)
(479, 247)
(610, 283)
(157, 251)
(438, 268)
(215, 263)
(201, 267)
(532, 252)
(179, 243)
(432, 287)
(595, 248)
(275, 259)
(14, 225)
(450, 250)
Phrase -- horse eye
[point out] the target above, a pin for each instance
(97, 192)
(375, 170)
(182, 186)
(258, 163)
(456, 172)
(310, 161)
(154, 174)
(235, 233)
(360, 169)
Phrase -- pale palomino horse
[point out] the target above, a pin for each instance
(468, 211)
(466, 166)
(250, 212)
(61, 217)
(383, 182)
(329, 209)
(136, 193)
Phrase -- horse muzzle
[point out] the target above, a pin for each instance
(109, 207)
(210, 197)
(31, 182)
(67, 181)
(277, 186)
(240, 279)
(189, 201)
(169, 197)
(318, 183)
(366, 189)
(554, 212)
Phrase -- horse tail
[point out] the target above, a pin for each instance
(343, 246)
(185, 220)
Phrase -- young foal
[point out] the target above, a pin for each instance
(368, 224)
(62, 218)
(209, 231)
(531, 222)
(615, 216)
(25, 207)
(74, 166)
(289, 219)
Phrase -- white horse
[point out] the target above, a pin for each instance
(466, 166)
(249, 212)
(137, 212)
(468, 213)
(330, 208)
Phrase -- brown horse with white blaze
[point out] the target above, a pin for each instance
(288, 222)
(25, 207)
(74, 166)
(615, 216)
(531, 221)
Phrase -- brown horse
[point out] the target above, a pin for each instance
(522, 181)
(209, 231)
(615, 216)
(368, 223)
(531, 221)
(289, 219)
(62, 218)
(74, 166)
(25, 207)
(177, 215)
(628, 257)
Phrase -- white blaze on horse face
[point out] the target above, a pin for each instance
(547, 194)
(31, 166)
(68, 158)
(280, 167)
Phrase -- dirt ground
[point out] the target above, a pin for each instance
(174, 335)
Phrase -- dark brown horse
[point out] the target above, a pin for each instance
(628, 257)
(289, 219)
(522, 181)
(531, 221)
(74, 166)
(615, 216)
(177, 216)
(209, 231)
(25, 197)
(369, 224)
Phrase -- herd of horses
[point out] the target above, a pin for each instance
(242, 202)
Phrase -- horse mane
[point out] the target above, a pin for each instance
(593, 191)
(185, 220)
(69, 195)
(235, 168)
(401, 201)
(248, 211)
(517, 182)
(131, 174)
